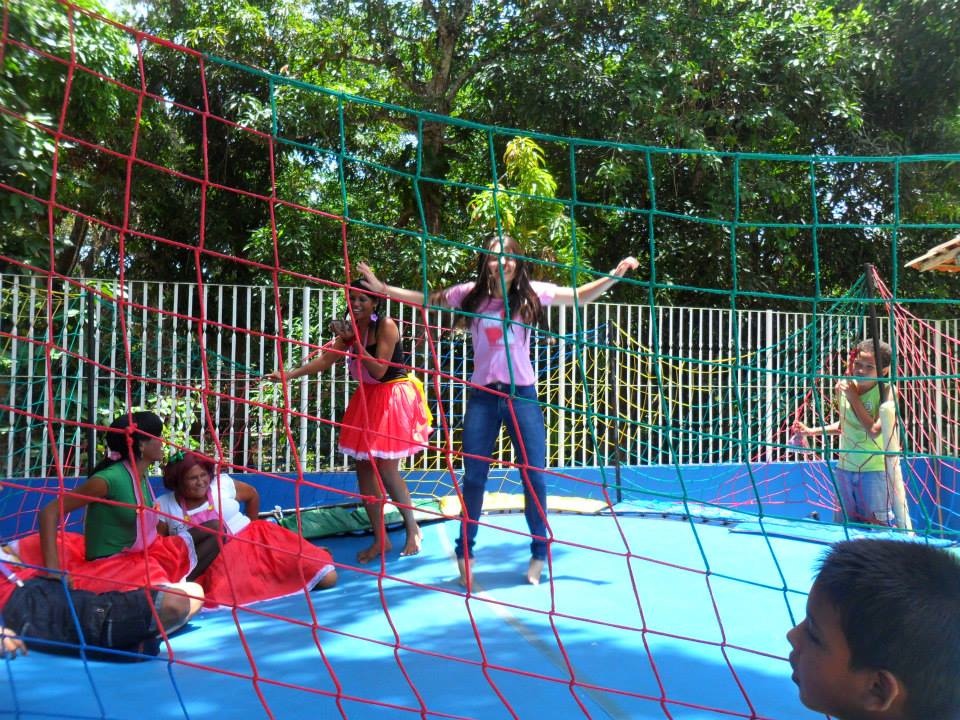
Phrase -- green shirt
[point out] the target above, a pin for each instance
(859, 451)
(108, 528)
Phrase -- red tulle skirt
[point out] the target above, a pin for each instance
(386, 420)
(261, 562)
(166, 561)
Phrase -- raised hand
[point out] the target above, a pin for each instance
(375, 283)
(626, 265)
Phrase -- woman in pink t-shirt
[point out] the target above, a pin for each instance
(503, 389)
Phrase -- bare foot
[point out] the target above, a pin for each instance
(373, 552)
(326, 582)
(534, 570)
(466, 575)
(413, 544)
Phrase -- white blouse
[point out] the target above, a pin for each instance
(223, 492)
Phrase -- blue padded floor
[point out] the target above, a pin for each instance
(629, 611)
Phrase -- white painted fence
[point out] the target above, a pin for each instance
(637, 384)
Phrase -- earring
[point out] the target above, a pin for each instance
(373, 317)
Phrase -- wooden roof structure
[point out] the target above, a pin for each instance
(943, 258)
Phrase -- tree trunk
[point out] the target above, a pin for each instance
(66, 262)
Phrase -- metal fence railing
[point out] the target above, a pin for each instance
(639, 384)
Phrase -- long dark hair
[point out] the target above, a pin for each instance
(521, 297)
(146, 426)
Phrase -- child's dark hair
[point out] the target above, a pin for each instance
(174, 470)
(122, 440)
(899, 608)
(521, 297)
(883, 350)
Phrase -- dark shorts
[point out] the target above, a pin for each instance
(51, 619)
(129, 617)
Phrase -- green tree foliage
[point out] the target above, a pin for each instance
(37, 70)
(719, 79)
(523, 205)
(912, 106)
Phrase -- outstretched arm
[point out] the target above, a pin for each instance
(330, 354)
(411, 297)
(588, 292)
(831, 429)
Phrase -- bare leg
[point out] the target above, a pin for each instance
(466, 572)
(370, 488)
(327, 581)
(180, 602)
(400, 494)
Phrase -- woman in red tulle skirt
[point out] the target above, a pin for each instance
(120, 548)
(257, 559)
(387, 418)
(165, 562)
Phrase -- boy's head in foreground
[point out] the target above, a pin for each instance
(881, 638)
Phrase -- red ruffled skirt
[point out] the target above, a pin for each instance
(261, 562)
(166, 561)
(386, 420)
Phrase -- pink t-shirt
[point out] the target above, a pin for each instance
(494, 356)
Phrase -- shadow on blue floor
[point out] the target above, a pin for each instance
(642, 614)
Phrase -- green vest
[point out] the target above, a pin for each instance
(109, 529)
(858, 450)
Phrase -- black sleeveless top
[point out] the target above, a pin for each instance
(397, 367)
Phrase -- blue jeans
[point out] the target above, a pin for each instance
(486, 412)
(865, 497)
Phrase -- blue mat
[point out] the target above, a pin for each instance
(627, 627)
(826, 533)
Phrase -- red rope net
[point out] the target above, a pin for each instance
(676, 593)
